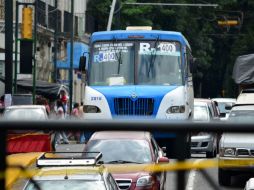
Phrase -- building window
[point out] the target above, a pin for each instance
(2, 67)
(1, 9)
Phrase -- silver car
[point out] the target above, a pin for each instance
(236, 146)
(204, 142)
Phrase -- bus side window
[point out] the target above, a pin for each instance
(187, 62)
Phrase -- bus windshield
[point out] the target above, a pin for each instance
(159, 63)
(156, 63)
(112, 64)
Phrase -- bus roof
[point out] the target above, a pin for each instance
(146, 34)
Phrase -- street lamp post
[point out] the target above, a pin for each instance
(111, 15)
(71, 56)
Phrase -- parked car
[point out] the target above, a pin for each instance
(66, 171)
(235, 146)
(129, 147)
(35, 141)
(204, 111)
(224, 105)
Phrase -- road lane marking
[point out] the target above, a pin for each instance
(192, 175)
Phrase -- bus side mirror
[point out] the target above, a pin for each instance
(82, 63)
(193, 64)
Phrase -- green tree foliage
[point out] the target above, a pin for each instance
(215, 47)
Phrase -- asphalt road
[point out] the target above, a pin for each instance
(195, 180)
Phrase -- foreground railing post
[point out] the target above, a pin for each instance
(182, 153)
(2, 158)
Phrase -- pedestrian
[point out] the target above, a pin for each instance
(60, 115)
(75, 111)
(75, 115)
(82, 133)
(64, 99)
(81, 112)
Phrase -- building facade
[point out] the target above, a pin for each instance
(53, 15)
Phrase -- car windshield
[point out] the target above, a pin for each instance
(121, 150)
(24, 114)
(241, 116)
(112, 64)
(200, 113)
(159, 63)
(67, 185)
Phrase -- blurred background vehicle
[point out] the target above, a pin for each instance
(20, 141)
(204, 111)
(224, 105)
(130, 147)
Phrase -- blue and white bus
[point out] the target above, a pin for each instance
(139, 74)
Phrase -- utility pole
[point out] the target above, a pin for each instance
(8, 46)
(55, 43)
(71, 56)
(35, 47)
(8, 79)
(111, 15)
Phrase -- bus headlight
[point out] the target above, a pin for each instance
(176, 109)
(91, 109)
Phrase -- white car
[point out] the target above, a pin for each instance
(234, 146)
(249, 184)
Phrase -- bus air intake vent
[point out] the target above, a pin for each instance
(139, 107)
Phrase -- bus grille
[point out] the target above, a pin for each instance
(139, 107)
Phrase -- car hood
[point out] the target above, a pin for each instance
(128, 171)
(233, 140)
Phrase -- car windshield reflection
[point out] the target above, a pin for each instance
(67, 185)
(138, 150)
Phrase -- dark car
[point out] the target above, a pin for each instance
(126, 147)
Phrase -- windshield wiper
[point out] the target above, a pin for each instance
(119, 58)
(122, 162)
(153, 56)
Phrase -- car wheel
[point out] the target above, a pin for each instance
(215, 153)
(210, 154)
(53, 142)
(224, 177)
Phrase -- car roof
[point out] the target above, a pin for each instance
(224, 100)
(242, 107)
(245, 98)
(202, 100)
(138, 135)
(200, 103)
(26, 107)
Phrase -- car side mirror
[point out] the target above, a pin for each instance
(228, 107)
(82, 63)
(163, 160)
